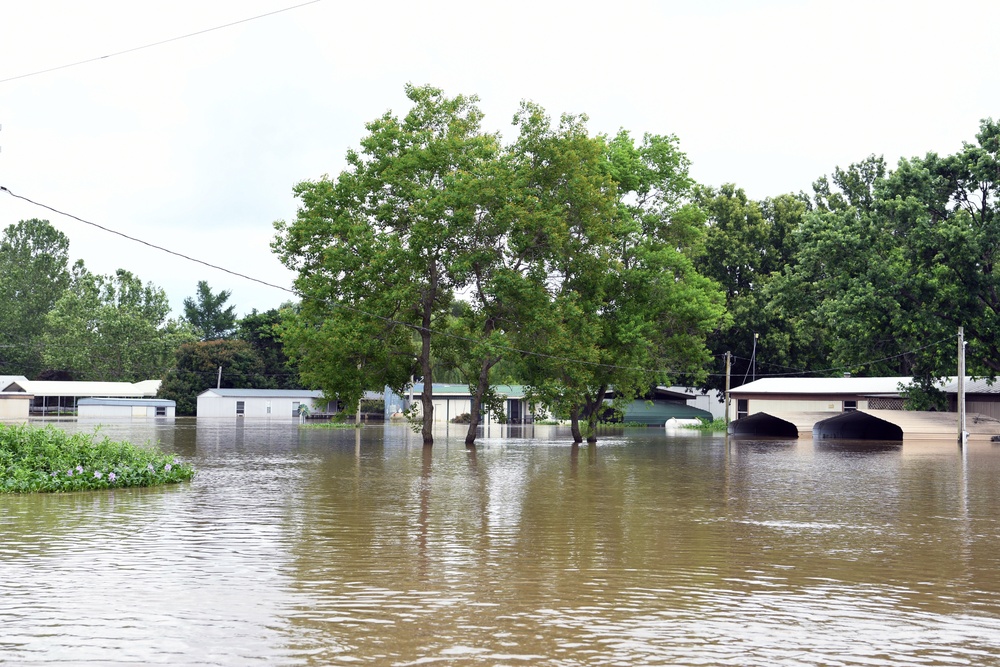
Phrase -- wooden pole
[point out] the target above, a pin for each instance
(728, 358)
(961, 386)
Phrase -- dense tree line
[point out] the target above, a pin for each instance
(872, 273)
(65, 322)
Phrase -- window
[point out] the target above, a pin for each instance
(161, 411)
(269, 407)
(295, 408)
(850, 406)
(240, 408)
(742, 407)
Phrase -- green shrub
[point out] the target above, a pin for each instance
(50, 460)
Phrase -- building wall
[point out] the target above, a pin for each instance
(782, 405)
(447, 408)
(14, 407)
(123, 411)
(253, 407)
(987, 406)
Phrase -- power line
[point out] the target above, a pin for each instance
(387, 320)
(414, 327)
(160, 43)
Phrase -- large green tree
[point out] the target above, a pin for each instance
(208, 315)
(375, 249)
(112, 328)
(34, 259)
(627, 308)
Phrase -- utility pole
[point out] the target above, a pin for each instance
(962, 434)
(728, 357)
(218, 382)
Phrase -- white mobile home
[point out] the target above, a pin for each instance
(260, 403)
(126, 408)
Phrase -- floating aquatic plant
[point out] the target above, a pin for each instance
(51, 460)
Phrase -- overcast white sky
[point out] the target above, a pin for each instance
(196, 144)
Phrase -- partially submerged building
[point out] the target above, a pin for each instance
(845, 408)
(126, 408)
(58, 397)
(266, 403)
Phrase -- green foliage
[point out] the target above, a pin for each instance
(50, 460)
(626, 302)
(748, 243)
(34, 257)
(570, 246)
(196, 368)
(380, 251)
(708, 425)
(206, 314)
(924, 393)
(111, 328)
(263, 332)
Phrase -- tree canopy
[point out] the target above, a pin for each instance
(34, 273)
(112, 328)
(573, 249)
(207, 314)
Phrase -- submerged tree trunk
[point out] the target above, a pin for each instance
(427, 395)
(574, 425)
(482, 384)
(593, 412)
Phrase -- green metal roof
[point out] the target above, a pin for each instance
(658, 412)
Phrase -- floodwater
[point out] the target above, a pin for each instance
(324, 547)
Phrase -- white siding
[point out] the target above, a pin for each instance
(254, 407)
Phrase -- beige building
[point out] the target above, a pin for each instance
(839, 394)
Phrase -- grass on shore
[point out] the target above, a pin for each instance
(50, 460)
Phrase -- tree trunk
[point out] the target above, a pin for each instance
(427, 395)
(574, 425)
(482, 385)
(592, 427)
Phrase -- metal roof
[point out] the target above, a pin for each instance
(440, 389)
(146, 388)
(837, 385)
(264, 393)
(154, 402)
(984, 386)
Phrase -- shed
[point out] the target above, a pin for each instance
(14, 406)
(126, 408)
(261, 403)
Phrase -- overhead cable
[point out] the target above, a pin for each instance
(160, 43)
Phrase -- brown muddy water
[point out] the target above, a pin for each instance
(312, 547)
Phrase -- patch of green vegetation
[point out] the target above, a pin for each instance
(50, 460)
(621, 425)
(547, 422)
(331, 424)
(708, 425)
